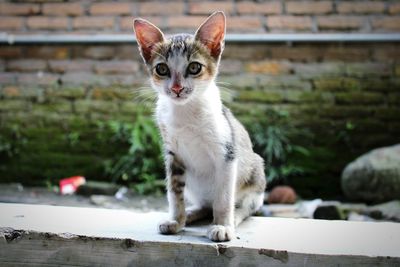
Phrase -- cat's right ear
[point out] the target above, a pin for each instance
(147, 35)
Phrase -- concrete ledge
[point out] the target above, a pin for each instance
(38, 235)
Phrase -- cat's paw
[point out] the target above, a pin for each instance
(220, 233)
(169, 227)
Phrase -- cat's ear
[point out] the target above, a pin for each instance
(212, 33)
(147, 35)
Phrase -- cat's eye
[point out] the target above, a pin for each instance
(162, 69)
(194, 68)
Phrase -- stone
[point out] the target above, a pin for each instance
(282, 195)
(374, 177)
(98, 188)
(328, 212)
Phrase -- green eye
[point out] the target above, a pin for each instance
(162, 69)
(194, 68)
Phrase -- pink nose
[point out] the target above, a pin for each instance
(177, 89)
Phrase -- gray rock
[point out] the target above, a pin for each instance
(374, 177)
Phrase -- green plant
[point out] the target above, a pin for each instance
(274, 140)
(345, 135)
(11, 142)
(142, 165)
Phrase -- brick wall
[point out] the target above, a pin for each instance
(244, 16)
(51, 91)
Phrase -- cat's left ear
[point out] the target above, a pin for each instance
(212, 33)
(147, 35)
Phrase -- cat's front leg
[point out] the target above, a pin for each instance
(175, 187)
(223, 228)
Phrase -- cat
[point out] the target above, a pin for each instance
(209, 160)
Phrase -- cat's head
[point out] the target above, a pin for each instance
(183, 65)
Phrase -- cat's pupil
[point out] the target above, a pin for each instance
(194, 68)
(162, 69)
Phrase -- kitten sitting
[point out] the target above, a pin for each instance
(209, 159)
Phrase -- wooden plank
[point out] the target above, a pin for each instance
(39, 235)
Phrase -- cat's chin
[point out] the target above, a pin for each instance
(179, 100)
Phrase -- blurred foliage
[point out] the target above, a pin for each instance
(276, 139)
(142, 165)
(11, 142)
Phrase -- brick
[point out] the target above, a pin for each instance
(61, 66)
(101, 106)
(111, 93)
(250, 8)
(344, 112)
(397, 70)
(63, 9)
(10, 52)
(28, 92)
(393, 98)
(394, 8)
(111, 8)
(309, 7)
(269, 67)
(109, 67)
(10, 91)
(337, 84)
(99, 52)
(207, 8)
(386, 23)
(244, 24)
(50, 109)
(289, 22)
(311, 70)
(93, 23)
(388, 53)
(47, 23)
(230, 66)
(375, 84)
(296, 52)
(83, 78)
(365, 7)
(39, 78)
(185, 22)
(7, 78)
(10, 23)
(47, 52)
(308, 97)
(19, 9)
(126, 22)
(27, 65)
(368, 69)
(340, 22)
(261, 96)
(346, 53)
(71, 93)
(388, 114)
(359, 98)
(13, 105)
(125, 79)
(127, 52)
(158, 8)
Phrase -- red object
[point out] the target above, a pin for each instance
(282, 195)
(70, 185)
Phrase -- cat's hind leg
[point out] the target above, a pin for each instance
(247, 206)
(194, 214)
(250, 196)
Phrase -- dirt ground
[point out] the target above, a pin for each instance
(16, 193)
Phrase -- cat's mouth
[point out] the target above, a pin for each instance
(180, 96)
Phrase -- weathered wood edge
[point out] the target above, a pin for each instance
(23, 247)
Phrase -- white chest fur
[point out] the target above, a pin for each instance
(196, 132)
